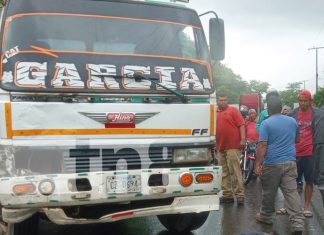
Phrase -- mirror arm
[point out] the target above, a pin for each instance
(209, 12)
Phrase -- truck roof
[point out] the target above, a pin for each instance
(71, 6)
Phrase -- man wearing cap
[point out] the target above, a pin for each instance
(304, 116)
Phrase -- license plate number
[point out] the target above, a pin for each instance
(124, 184)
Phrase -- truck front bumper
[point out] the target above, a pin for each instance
(180, 205)
(197, 197)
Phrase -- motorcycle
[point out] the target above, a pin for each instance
(247, 161)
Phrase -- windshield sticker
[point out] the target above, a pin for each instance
(207, 84)
(101, 75)
(129, 83)
(67, 76)
(54, 76)
(10, 53)
(31, 74)
(165, 77)
(7, 77)
(190, 79)
(44, 51)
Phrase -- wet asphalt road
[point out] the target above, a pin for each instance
(229, 220)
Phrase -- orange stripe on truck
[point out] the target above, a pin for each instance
(101, 132)
(212, 120)
(8, 120)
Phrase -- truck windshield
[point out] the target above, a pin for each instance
(105, 35)
(82, 51)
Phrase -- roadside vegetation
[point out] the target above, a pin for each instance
(234, 85)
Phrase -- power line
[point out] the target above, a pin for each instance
(316, 75)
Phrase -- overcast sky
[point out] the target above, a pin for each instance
(268, 40)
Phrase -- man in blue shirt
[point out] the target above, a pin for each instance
(277, 151)
(264, 114)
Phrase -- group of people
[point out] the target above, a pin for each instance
(290, 148)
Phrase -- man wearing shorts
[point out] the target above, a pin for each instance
(304, 116)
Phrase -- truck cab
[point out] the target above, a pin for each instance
(107, 112)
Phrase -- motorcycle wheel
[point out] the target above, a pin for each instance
(248, 173)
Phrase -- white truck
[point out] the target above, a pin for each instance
(107, 112)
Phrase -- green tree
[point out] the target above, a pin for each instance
(319, 97)
(289, 96)
(229, 83)
(258, 86)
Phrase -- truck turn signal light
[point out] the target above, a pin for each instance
(186, 179)
(204, 178)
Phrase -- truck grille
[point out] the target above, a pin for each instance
(90, 160)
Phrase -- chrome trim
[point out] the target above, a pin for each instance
(102, 117)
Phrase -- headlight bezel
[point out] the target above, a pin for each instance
(192, 155)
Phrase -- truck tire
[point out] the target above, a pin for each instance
(27, 227)
(183, 223)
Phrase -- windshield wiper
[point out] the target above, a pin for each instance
(138, 77)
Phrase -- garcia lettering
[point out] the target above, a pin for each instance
(106, 77)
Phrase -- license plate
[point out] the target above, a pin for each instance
(124, 184)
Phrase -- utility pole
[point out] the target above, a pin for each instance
(316, 50)
(304, 81)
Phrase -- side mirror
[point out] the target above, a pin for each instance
(217, 39)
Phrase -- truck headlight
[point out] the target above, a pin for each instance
(46, 187)
(189, 155)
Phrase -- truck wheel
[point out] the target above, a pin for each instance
(27, 227)
(183, 223)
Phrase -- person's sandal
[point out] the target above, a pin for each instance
(240, 201)
(308, 213)
(226, 200)
(281, 211)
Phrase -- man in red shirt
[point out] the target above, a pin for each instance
(230, 139)
(304, 149)
(250, 128)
